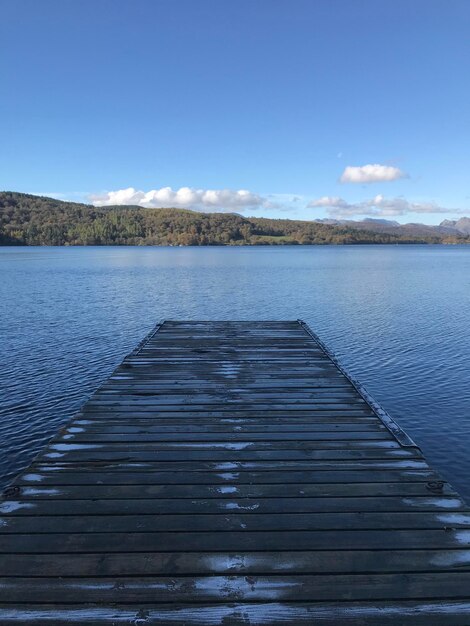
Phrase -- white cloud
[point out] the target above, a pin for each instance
(185, 197)
(328, 201)
(379, 206)
(372, 173)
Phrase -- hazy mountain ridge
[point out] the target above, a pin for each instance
(35, 220)
(462, 225)
(446, 227)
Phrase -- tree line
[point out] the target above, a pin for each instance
(39, 221)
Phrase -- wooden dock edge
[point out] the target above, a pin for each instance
(381, 413)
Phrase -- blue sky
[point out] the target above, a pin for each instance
(189, 102)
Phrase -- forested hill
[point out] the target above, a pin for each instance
(39, 221)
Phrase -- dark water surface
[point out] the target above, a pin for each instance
(398, 317)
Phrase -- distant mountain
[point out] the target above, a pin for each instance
(462, 225)
(366, 220)
(33, 220)
(329, 220)
(447, 227)
(376, 220)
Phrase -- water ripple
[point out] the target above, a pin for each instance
(397, 316)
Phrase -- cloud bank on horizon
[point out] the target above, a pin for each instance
(378, 206)
(185, 198)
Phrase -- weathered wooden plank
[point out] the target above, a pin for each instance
(119, 415)
(231, 378)
(107, 428)
(298, 588)
(221, 522)
(259, 490)
(144, 407)
(402, 613)
(240, 562)
(240, 436)
(190, 386)
(154, 506)
(171, 441)
(71, 475)
(126, 463)
(234, 540)
(252, 451)
(152, 397)
(128, 459)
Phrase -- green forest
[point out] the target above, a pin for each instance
(29, 220)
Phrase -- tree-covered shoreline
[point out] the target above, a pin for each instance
(28, 220)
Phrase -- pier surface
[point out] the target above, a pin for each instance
(231, 473)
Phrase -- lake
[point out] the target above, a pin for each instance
(398, 317)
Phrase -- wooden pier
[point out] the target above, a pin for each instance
(231, 473)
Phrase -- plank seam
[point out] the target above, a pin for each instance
(145, 340)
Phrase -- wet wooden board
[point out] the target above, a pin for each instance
(232, 473)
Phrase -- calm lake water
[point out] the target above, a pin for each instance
(398, 317)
